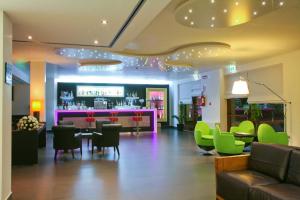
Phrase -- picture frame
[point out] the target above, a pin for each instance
(8, 73)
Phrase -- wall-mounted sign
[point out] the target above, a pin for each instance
(100, 91)
(232, 68)
(8, 73)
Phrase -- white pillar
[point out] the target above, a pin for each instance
(38, 86)
(5, 107)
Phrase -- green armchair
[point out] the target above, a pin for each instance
(204, 136)
(225, 143)
(266, 134)
(244, 127)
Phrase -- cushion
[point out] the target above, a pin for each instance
(239, 143)
(275, 192)
(235, 185)
(270, 159)
(207, 137)
(293, 174)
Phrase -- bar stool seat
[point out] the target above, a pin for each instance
(113, 118)
(137, 119)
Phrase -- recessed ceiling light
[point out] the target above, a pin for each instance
(104, 21)
(185, 17)
(213, 18)
(236, 3)
(281, 3)
(225, 10)
(254, 13)
(263, 3)
(212, 1)
(212, 25)
(29, 37)
(192, 23)
(190, 10)
(96, 42)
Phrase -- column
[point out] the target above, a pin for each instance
(38, 86)
(5, 107)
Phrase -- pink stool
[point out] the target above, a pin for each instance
(137, 118)
(113, 118)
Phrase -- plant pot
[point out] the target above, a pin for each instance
(180, 127)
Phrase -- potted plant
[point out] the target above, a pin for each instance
(254, 113)
(180, 117)
(180, 120)
(28, 123)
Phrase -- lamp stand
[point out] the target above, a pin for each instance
(36, 114)
(285, 102)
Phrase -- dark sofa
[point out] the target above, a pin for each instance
(270, 172)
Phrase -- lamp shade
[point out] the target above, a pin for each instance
(240, 87)
(36, 105)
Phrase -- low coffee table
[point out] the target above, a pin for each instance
(239, 135)
(88, 136)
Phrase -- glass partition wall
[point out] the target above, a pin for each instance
(239, 110)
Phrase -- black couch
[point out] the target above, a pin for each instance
(270, 172)
(64, 138)
(110, 136)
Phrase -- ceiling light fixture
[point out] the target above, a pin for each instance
(29, 37)
(104, 21)
(244, 10)
(192, 23)
(96, 42)
(212, 25)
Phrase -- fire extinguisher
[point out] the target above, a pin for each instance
(202, 100)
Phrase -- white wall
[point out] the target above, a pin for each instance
(21, 101)
(5, 107)
(211, 113)
(290, 63)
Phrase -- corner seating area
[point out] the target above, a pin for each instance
(270, 172)
(67, 137)
(234, 142)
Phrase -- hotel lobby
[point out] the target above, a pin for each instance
(150, 99)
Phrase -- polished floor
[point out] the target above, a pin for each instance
(166, 166)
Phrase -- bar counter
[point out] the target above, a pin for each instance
(125, 117)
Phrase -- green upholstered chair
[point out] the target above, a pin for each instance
(204, 136)
(225, 143)
(244, 127)
(266, 134)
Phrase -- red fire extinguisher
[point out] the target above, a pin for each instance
(202, 100)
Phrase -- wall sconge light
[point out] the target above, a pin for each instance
(36, 108)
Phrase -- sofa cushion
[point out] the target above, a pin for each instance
(293, 175)
(235, 185)
(269, 159)
(275, 192)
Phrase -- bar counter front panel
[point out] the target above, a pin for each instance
(125, 117)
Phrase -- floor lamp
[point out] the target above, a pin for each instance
(241, 87)
(36, 108)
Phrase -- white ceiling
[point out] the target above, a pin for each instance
(151, 31)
